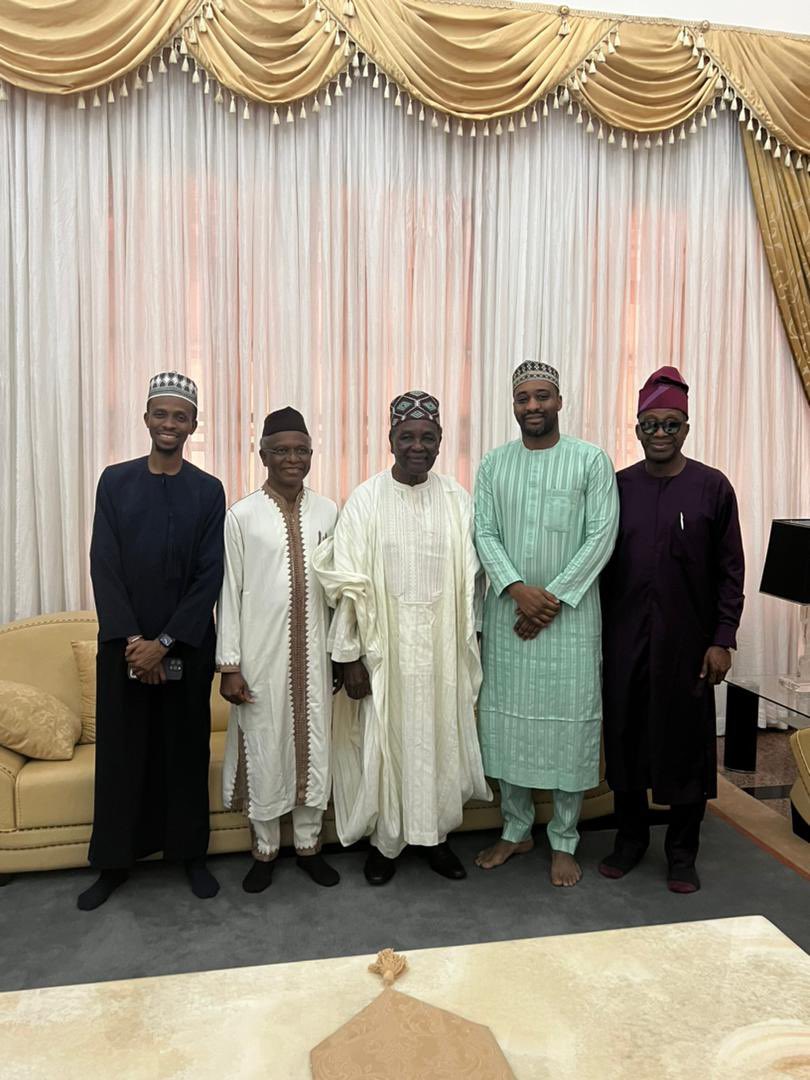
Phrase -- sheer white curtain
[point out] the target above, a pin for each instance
(333, 262)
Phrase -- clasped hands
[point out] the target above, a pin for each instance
(146, 660)
(535, 608)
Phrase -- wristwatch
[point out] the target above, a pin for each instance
(165, 641)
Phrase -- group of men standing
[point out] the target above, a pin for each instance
(385, 602)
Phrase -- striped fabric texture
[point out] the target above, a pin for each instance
(547, 518)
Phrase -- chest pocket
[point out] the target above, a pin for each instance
(691, 537)
(557, 510)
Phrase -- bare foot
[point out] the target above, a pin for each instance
(501, 851)
(564, 869)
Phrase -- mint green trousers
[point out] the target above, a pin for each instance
(517, 807)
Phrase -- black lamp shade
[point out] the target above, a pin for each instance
(786, 573)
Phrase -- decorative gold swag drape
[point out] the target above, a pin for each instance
(474, 61)
(782, 199)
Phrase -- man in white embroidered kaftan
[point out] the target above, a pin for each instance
(402, 573)
(272, 625)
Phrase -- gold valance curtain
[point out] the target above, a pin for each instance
(476, 60)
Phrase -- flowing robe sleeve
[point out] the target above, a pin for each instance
(116, 617)
(347, 553)
(601, 528)
(730, 570)
(192, 615)
(488, 541)
(229, 609)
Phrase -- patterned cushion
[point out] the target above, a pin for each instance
(36, 724)
(84, 653)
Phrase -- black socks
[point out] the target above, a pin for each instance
(318, 869)
(203, 883)
(101, 890)
(259, 877)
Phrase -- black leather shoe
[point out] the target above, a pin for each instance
(444, 861)
(378, 869)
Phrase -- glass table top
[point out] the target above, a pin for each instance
(771, 689)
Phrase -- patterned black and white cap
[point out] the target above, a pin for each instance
(534, 369)
(414, 405)
(173, 384)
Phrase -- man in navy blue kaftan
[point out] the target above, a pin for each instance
(156, 563)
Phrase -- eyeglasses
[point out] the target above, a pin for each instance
(300, 452)
(669, 427)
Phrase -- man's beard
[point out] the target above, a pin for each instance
(548, 426)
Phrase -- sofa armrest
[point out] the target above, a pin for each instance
(800, 745)
(10, 765)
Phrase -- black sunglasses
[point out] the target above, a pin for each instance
(669, 427)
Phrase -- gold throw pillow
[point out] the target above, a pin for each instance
(84, 653)
(36, 724)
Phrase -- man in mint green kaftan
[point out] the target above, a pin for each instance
(546, 517)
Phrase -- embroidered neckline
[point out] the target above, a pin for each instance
(287, 508)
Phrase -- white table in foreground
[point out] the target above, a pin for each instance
(714, 1000)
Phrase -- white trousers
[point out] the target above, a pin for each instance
(306, 822)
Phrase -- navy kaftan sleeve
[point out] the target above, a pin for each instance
(192, 617)
(730, 568)
(116, 617)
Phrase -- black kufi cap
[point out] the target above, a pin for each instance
(287, 419)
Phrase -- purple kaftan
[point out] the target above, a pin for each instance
(673, 587)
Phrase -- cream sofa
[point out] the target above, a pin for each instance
(800, 792)
(46, 807)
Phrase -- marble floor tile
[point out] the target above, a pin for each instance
(775, 767)
(671, 1002)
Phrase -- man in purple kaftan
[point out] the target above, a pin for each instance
(672, 597)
